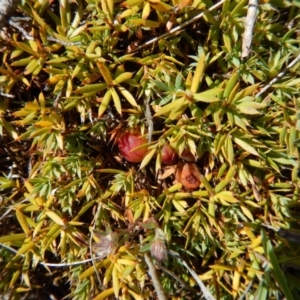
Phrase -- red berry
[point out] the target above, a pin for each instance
(129, 140)
(168, 155)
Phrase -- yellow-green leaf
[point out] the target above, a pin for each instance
(146, 10)
(14, 278)
(127, 271)
(145, 23)
(248, 91)
(55, 217)
(30, 68)
(147, 158)
(206, 184)
(167, 108)
(122, 77)
(117, 100)
(12, 238)
(24, 47)
(127, 96)
(22, 62)
(91, 270)
(197, 78)
(126, 262)
(104, 294)
(246, 146)
(227, 42)
(105, 73)
(161, 6)
(130, 3)
(116, 282)
(10, 130)
(104, 103)
(91, 88)
(227, 196)
(208, 96)
(22, 220)
(230, 85)
(25, 247)
(236, 283)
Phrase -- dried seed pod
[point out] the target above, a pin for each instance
(107, 244)
(190, 176)
(159, 250)
(158, 247)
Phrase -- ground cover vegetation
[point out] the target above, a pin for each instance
(167, 155)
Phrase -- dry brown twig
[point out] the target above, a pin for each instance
(55, 265)
(7, 18)
(280, 75)
(186, 286)
(245, 293)
(7, 7)
(18, 26)
(6, 95)
(173, 30)
(90, 244)
(249, 26)
(152, 272)
(149, 119)
(206, 293)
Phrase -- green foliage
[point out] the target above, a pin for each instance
(68, 92)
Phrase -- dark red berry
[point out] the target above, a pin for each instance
(129, 140)
(168, 155)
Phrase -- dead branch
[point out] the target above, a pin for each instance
(280, 75)
(177, 28)
(249, 26)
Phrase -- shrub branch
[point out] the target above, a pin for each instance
(280, 75)
(152, 272)
(249, 25)
(173, 30)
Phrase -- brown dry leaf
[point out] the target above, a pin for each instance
(167, 172)
(129, 215)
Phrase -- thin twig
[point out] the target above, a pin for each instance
(90, 244)
(262, 258)
(10, 208)
(152, 272)
(249, 25)
(177, 28)
(57, 99)
(64, 43)
(246, 290)
(266, 225)
(18, 26)
(280, 75)
(6, 95)
(21, 19)
(178, 279)
(149, 119)
(206, 293)
(75, 263)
